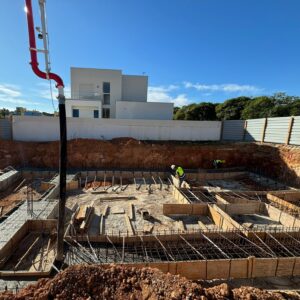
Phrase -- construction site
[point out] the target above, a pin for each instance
(222, 224)
(116, 197)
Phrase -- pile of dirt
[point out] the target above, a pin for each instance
(117, 282)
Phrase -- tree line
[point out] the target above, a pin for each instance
(20, 111)
(241, 108)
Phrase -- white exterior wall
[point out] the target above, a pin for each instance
(47, 129)
(134, 88)
(144, 110)
(86, 108)
(96, 77)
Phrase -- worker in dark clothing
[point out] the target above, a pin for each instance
(179, 173)
(218, 163)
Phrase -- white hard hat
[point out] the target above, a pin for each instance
(173, 167)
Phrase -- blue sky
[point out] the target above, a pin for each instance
(192, 50)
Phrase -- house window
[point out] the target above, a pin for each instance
(106, 113)
(106, 87)
(106, 99)
(96, 113)
(75, 113)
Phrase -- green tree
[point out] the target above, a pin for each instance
(232, 109)
(4, 112)
(202, 111)
(295, 108)
(259, 107)
(180, 113)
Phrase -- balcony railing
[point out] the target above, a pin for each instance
(88, 97)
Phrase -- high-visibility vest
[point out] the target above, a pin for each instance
(179, 171)
(219, 161)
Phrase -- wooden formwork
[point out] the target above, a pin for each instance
(219, 175)
(72, 185)
(250, 267)
(179, 197)
(286, 200)
(41, 226)
(185, 209)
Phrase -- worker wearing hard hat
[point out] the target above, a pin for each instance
(179, 173)
(218, 163)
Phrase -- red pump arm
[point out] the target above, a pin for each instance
(33, 51)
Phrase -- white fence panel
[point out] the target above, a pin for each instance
(277, 130)
(28, 128)
(295, 135)
(254, 129)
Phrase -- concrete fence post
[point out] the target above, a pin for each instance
(245, 130)
(264, 130)
(290, 130)
(221, 130)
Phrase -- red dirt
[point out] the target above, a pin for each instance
(278, 161)
(116, 282)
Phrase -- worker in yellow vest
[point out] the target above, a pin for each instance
(179, 173)
(218, 163)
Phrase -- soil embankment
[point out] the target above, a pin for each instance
(277, 161)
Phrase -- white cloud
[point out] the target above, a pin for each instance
(17, 101)
(11, 95)
(161, 94)
(227, 87)
(164, 89)
(9, 90)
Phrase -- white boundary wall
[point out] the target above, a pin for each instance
(28, 128)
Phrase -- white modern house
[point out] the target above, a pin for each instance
(104, 93)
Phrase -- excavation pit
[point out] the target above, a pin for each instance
(31, 251)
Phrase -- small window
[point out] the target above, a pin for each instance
(106, 87)
(106, 99)
(105, 113)
(96, 113)
(75, 113)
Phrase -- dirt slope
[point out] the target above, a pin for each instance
(116, 282)
(278, 161)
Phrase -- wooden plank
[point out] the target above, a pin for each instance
(296, 271)
(192, 270)
(218, 269)
(264, 267)
(202, 225)
(129, 225)
(199, 209)
(177, 209)
(79, 217)
(105, 210)
(117, 198)
(285, 266)
(239, 268)
(131, 211)
(86, 222)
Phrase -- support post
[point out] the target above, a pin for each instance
(245, 130)
(264, 130)
(291, 124)
(221, 130)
